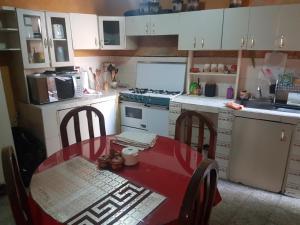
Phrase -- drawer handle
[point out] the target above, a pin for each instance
(282, 137)
(143, 125)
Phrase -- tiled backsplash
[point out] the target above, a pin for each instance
(249, 76)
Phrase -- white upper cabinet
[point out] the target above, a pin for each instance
(45, 39)
(263, 27)
(200, 30)
(112, 32)
(235, 28)
(84, 29)
(288, 37)
(164, 24)
(33, 38)
(137, 25)
(59, 39)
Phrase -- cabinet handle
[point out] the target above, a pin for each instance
(153, 28)
(194, 42)
(252, 43)
(147, 28)
(143, 125)
(202, 43)
(282, 137)
(50, 42)
(45, 42)
(242, 42)
(96, 42)
(281, 41)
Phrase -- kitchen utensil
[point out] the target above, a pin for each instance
(221, 68)
(210, 90)
(214, 68)
(130, 155)
(230, 93)
(206, 68)
(58, 31)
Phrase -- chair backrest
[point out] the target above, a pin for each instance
(74, 113)
(15, 189)
(184, 129)
(199, 196)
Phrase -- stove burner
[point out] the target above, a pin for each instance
(146, 90)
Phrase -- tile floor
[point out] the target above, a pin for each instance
(241, 205)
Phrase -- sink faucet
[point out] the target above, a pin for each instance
(259, 91)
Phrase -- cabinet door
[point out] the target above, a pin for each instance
(84, 130)
(263, 26)
(209, 34)
(33, 38)
(288, 37)
(60, 41)
(235, 28)
(260, 152)
(112, 32)
(187, 32)
(137, 25)
(165, 24)
(84, 28)
(109, 111)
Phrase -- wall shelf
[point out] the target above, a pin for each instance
(213, 74)
(8, 29)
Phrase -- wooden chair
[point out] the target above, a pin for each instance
(15, 189)
(74, 113)
(200, 194)
(184, 127)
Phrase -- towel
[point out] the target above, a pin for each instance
(138, 139)
(234, 105)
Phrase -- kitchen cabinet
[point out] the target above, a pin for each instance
(263, 26)
(164, 24)
(45, 39)
(195, 32)
(235, 28)
(289, 35)
(84, 28)
(9, 32)
(112, 34)
(260, 152)
(109, 111)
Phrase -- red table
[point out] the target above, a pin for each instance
(166, 169)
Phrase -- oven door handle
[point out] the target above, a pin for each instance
(143, 125)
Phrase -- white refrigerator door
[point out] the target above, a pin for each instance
(6, 138)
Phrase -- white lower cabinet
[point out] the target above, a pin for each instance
(109, 111)
(44, 121)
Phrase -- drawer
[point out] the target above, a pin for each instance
(173, 117)
(225, 124)
(295, 149)
(224, 138)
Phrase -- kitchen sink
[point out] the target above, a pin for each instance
(259, 104)
(269, 105)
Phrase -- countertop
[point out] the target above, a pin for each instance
(214, 104)
(74, 102)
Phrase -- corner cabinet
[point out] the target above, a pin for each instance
(164, 24)
(84, 28)
(197, 34)
(41, 49)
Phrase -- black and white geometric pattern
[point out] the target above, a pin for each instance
(128, 204)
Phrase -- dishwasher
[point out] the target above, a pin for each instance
(260, 152)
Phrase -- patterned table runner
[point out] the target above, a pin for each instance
(76, 192)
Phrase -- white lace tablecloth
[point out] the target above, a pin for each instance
(76, 192)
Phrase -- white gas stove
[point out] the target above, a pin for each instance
(146, 106)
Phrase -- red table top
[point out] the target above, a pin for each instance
(166, 169)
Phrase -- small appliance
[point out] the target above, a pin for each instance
(46, 88)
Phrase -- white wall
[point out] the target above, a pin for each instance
(6, 138)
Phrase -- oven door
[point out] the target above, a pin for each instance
(133, 116)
